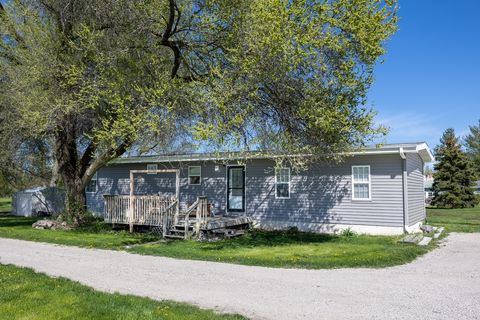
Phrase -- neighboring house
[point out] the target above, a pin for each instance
(379, 190)
(477, 187)
(428, 184)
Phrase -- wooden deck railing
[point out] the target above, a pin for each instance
(147, 210)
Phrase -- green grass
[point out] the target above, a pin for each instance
(25, 294)
(293, 250)
(272, 249)
(5, 205)
(96, 236)
(455, 220)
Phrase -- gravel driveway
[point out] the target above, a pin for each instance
(444, 284)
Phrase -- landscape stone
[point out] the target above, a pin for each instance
(50, 225)
(427, 228)
(425, 241)
(412, 238)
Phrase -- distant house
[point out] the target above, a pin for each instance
(428, 184)
(477, 187)
(378, 190)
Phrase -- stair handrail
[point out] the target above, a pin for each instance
(165, 215)
(201, 214)
(187, 218)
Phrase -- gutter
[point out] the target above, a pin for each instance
(404, 188)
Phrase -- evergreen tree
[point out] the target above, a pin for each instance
(454, 176)
(472, 144)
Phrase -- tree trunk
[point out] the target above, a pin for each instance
(75, 202)
(70, 170)
(54, 178)
(76, 169)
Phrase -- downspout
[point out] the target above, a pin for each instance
(404, 188)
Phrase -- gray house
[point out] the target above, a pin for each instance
(378, 190)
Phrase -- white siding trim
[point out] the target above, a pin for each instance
(328, 228)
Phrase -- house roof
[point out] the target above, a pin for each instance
(421, 148)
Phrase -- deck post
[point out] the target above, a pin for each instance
(164, 225)
(177, 194)
(132, 201)
(201, 213)
(132, 198)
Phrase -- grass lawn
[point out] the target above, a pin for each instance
(293, 250)
(25, 294)
(5, 205)
(455, 220)
(98, 236)
(272, 249)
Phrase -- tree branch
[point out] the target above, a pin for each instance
(103, 159)
(87, 157)
(16, 36)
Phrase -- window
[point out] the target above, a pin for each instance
(282, 183)
(194, 175)
(92, 185)
(361, 183)
(151, 168)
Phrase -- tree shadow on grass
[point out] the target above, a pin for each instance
(261, 238)
(7, 220)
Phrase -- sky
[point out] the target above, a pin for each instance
(430, 77)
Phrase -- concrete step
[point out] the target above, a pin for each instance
(425, 241)
(438, 232)
(412, 238)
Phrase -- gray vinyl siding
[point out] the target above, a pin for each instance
(323, 194)
(115, 180)
(320, 195)
(416, 194)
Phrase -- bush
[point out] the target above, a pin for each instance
(347, 232)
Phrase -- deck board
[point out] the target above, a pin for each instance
(213, 223)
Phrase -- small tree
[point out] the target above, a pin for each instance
(454, 176)
(472, 144)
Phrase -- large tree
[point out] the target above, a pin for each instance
(97, 77)
(454, 176)
(472, 144)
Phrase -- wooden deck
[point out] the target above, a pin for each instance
(163, 212)
(213, 223)
(147, 210)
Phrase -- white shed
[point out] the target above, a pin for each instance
(38, 201)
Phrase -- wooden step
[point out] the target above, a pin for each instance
(173, 236)
(177, 230)
(181, 226)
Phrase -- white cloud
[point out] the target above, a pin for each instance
(411, 127)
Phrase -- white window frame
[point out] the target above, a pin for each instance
(94, 178)
(289, 183)
(369, 183)
(150, 169)
(200, 176)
